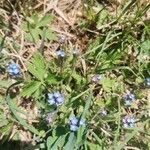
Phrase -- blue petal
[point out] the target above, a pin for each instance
(50, 95)
(125, 125)
(56, 94)
(51, 101)
(73, 128)
(73, 121)
(16, 71)
(60, 100)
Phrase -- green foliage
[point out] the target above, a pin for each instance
(118, 49)
(37, 27)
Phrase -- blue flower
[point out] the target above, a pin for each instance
(55, 98)
(75, 123)
(128, 122)
(128, 98)
(148, 81)
(96, 78)
(60, 53)
(13, 69)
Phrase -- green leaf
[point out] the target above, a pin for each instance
(87, 105)
(45, 20)
(37, 66)
(145, 47)
(19, 119)
(102, 18)
(80, 134)
(51, 79)
(107, 84)
(50, 141)
(92, 146)
(71, 141)
(128, 137)
(50, 35)
(77, 77)
(5, 83)
(59, 143)
(30, 88)
(35, 34)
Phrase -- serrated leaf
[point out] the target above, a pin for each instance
(107, 84)
(37, 67)
(45, 20)
(35, 34)
(30, 88)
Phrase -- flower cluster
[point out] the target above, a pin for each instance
(75, 123)
(96, 78)
(129, 98)
(148, 81)
(55, 98)
(60, 53)
(128, 122)
(13, 69)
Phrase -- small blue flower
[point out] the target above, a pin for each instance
(55, 98)
(13, 69)
(128, 98)
(73, 128)
(96, 78)
(60, 53)
(73, 121)
(128, 122)
(148, 81)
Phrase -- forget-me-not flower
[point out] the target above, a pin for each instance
(60, 53)
(55, 98)
(75, 123)
(128, 98)
(96, 78)
(13, 69)
(128, 122)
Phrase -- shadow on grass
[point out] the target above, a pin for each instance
(15, 145)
